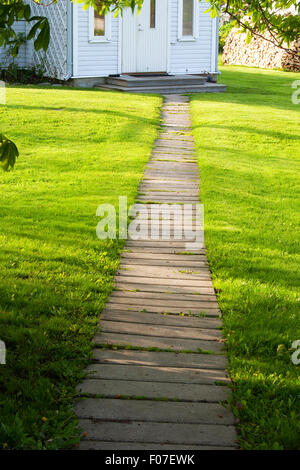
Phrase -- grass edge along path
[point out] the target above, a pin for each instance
(78, 149)
(248, 149)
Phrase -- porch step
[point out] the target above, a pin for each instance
(154, 81)
(167, 90)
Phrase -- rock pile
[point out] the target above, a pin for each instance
(259, 53)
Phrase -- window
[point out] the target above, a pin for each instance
(187, 20)
(99, 24)
(99, 20)
(152, 13)
(187, 17)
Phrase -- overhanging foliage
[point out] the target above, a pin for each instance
(264, 18)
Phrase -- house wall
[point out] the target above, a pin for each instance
(94, 59)
(99, 59)
(192, 56)
(25, 52)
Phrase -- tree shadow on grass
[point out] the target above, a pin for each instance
(107, 112)
(265, 401)
(251, 88)
(249, 130)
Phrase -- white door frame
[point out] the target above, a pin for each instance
(168, 39)
(169, 36)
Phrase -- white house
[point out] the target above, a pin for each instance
(170, 37)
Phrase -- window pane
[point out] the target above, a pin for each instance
(187, 17)
(99, 21)
(152, 13)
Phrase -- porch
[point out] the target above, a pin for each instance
(156, 83)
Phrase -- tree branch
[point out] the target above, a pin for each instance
(273, 41)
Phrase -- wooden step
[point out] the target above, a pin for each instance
(130, 81)
(164, 90)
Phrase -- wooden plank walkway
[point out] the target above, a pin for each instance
(173, 396)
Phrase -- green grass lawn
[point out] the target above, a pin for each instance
(78, 149)
(83, 148)
(248, 142)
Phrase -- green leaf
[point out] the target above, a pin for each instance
(43, 38)
(8, 153)
(249, 37)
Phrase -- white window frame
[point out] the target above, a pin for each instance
(195, 34)
(107, 28)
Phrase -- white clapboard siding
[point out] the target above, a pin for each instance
(73, 53)
(191, 56)
(95, 59)
(99, 59)
(24, 53)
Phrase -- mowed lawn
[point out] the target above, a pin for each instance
(78, 149)
(248, 142)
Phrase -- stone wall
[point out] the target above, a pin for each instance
(259, 53)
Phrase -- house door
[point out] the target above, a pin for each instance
(145, 38)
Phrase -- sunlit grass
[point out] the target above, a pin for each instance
(248, 146)
(78, 149)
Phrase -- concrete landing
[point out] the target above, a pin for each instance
(166, 84)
